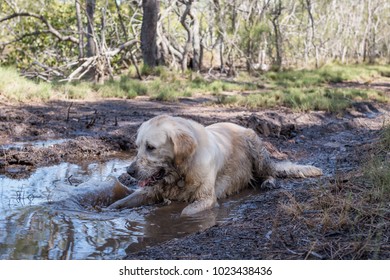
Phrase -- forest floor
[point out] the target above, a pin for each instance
(318, 218)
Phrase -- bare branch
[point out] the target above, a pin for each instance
(51, 29)
(91, 61)
(36, 33)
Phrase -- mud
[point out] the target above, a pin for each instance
(59, 134)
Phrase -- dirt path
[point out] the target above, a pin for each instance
(104, 129)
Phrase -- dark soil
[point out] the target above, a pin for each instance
(264, 229)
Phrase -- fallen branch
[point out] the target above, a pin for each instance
(91, 61)
(48, 68)
(83, 66)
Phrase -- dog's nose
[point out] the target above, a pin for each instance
(131, 170)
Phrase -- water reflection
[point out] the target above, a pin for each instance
(42, 217)
(38, 144)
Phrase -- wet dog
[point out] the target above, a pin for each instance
(182, 160)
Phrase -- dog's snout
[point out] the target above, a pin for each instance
(132, 170)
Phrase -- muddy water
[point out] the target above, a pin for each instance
(38, 144)
(42, 217)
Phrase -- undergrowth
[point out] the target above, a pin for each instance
(301, 90)
(348, 217)
(13, 87)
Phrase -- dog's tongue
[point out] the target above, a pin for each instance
(143, 183)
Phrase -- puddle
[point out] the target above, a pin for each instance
(37, 144)
(39, 218)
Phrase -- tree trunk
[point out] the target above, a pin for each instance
(196, 59)
(221, 31)
(276, 13)
(188, 45)
(91, 46)
(79, 29)
(309, 7)
(149, 32)
(132, 58)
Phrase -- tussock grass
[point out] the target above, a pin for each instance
(354, 208)
(327, 74)
(304, 90)
(377, 168)
(305, 99)
(75, 90)
(301, 90)
(13, 87)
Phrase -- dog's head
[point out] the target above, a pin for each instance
(165, 145)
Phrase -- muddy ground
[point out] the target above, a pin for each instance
(99, 130)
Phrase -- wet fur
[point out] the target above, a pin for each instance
(202, 164)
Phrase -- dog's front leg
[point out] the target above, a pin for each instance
(199, 206)
(138, 198)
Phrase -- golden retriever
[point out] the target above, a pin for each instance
(181, 160)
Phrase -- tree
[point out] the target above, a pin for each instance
(192, 45)
(149, 32)
(275, 15)
(91, 45)
(79, 28)
(75, 37)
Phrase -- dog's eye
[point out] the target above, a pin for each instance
(150, 147)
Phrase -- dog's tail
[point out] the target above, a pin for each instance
(288, 169)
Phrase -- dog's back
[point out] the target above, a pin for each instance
(246, 158)
(235, 170)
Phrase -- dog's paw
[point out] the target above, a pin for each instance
(198, 206)
(113, 206)
(269, 184)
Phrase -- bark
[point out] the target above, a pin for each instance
(276, 13)
(79, 29)
(196, 44)
(192, 46)
(149, 32)
(309, 6)
(91, 45)
(221, 31)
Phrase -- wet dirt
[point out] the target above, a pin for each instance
(60, 145)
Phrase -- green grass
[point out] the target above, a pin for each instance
(304, 90)
(74, 90)
(327, 74)
(301, 90)
(304, 99)
(13, 87)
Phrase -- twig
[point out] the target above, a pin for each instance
(70, 182)
(92, 121)
(68, 113)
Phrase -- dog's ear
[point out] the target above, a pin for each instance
(184, 146)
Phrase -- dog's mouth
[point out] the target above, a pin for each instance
(159, 175)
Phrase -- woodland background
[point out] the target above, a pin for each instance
(68, 39)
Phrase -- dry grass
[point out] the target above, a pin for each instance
(347, 217)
